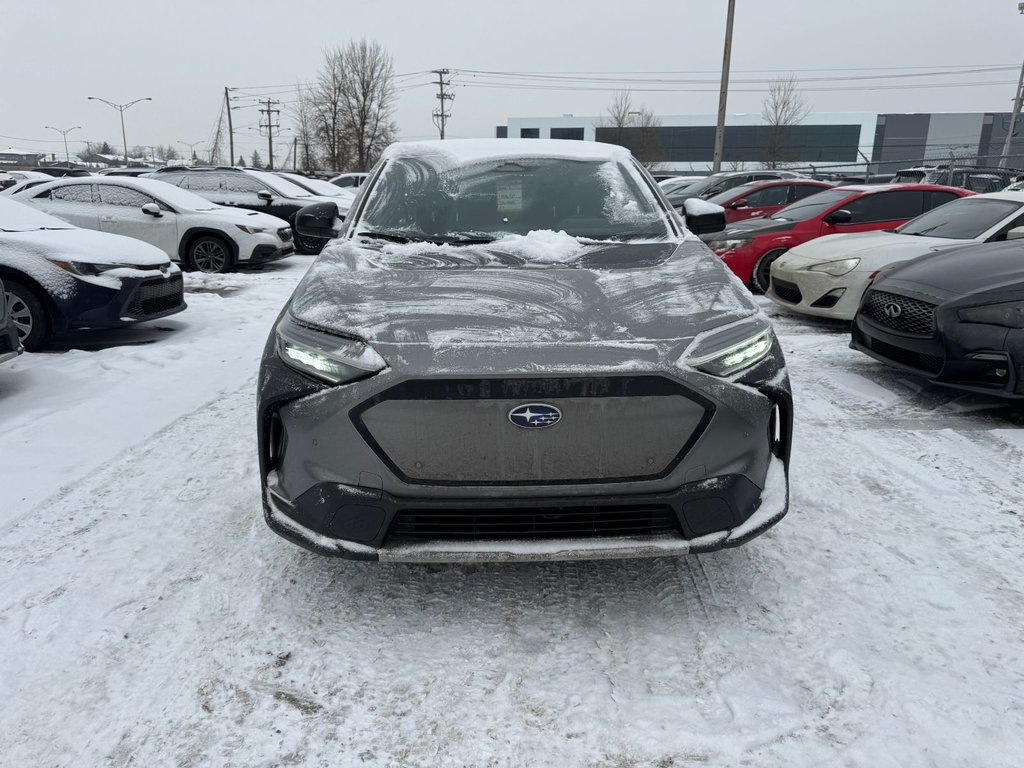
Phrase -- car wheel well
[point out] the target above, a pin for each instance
(192, 235)
(8, 273)
(757, 284)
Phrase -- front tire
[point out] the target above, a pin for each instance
(761, 277)
(209, 253)
(29, 315)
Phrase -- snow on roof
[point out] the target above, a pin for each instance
(16, 151)
(464, 151)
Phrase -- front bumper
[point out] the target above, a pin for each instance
(986, 359)
(264, 254)
(818, 293)
(136, 300)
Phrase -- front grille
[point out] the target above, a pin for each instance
(901, 313)
(786, 291)
(927, 363)
(459, 432)
(537, 523)
(285, 233)
(154, 297)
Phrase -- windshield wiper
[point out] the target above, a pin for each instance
(394, 237)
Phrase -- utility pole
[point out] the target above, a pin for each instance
(64, 132)
(270, 112)
(441, 115)
(121, 108)
(295, 153)
(1014, 117)
(723, 93)
(231, 130)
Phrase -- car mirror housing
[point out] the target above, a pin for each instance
(318, 220)
(703, 217)
(841, 216)
(1016, 233)
(264, 195)
(152, 209)
(741, 203)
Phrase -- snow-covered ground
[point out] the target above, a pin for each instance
(149, 618)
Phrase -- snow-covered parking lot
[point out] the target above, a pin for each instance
(149, 618)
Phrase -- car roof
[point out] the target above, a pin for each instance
(1017, 197)
(872, 188)
(463, 151)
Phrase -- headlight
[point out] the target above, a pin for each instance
(728, 245)
(330, 358)
(1009, 314)
(732, 355)
(251, 230)
(88, 269)
(835, 268)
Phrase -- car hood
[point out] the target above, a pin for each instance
(754, 227)
(960, 271)
(659, 295)
(82, 245)
(874, 249)
(243, 216)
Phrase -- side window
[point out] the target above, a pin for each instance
(73, 193)
(800, 191)
(937, 198)
(768, 196)
(204, 182)
(240, 182)
(890, 206)
(123, 196)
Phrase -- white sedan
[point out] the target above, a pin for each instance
(827, 277)
(185, 226)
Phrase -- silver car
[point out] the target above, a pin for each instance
(515, 350)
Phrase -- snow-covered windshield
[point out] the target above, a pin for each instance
(316, 186)
(174, 196)
(813, 206)
(16, 217)
(964, 219)
(416, 199)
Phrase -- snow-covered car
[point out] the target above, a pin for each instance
(26, 184)
(58, 277)
(30, 176)
(6, 180)
(1017, 186)
(320, 187)
(187, 227)
(10, 344)
(259, 191)
(827, 277)
(517, 351)
(956, 318)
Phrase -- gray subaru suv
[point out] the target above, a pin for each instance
(515, 350)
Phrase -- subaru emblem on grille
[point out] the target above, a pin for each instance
(534, 415)
(893, 310)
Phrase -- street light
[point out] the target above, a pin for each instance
(64, 132)
(191, 147)
(121, 108)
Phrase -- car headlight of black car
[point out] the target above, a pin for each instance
(88, 269)
(732, 350)
(1009, 314)
(325, 356)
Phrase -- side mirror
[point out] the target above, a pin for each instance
(841, 216)
(152, 209)
(703, 217)
(318, 220)
(741, 203)
(264, 195)
(1015, 234)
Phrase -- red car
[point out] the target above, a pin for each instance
(763, 198)
(749, 247)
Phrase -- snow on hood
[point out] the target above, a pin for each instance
(440, 296)
(874, 249)
(73, 244)
(18, 217)
(244, 216)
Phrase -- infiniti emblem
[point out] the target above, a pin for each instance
(892, 310)
(534, 415)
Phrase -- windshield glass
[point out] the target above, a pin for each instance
(813, 206)
(279, 185)
(168, 193)
(711, 184)
(736, 192)
(316, 186)
(414, 199)
(963, 219)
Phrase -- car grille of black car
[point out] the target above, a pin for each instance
(536, 523)
(789, 292)
(154, 297)
(901, 313)
(927, 363)
(285, 233)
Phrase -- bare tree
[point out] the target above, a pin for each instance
(326, 98)
(368, 101)
(304, 116)
(633, 127)
(782, 108)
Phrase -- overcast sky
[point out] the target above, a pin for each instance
(55, 53)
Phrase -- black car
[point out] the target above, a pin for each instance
(956, 317)
(10, 344)
(720, 182)
(61, 171)
(256, 190)
(515, 351)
